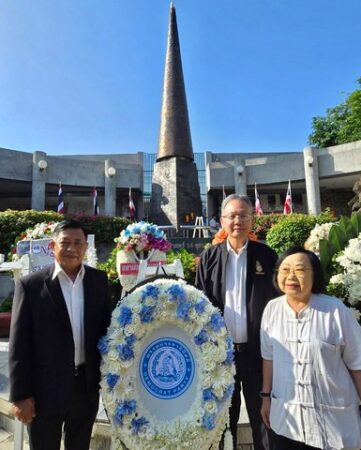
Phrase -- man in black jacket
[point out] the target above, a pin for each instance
(58, 316)
(237, 276)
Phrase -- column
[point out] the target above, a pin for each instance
(38, 181)
(312, 181)
(240, 177)
(110, 187)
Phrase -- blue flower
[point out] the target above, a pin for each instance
(103, 345)
(130, 340)
(208, 395)
(200, 306)
(183, 310)
(125, 316)
(228, 392)
(150, 291)
(125, 352)
(201, 337)
(216, 322)
(209, 421)
(229, 342)
(127, 407)
(229, 358)
(137, 424)
(176, 293)
(112, 379)
(146, 314)
(124, 409)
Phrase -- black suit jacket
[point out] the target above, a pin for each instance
(211, 279)
(41, 346)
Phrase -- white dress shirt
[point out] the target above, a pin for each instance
(235, 308)
(73, 293)
(314, 399)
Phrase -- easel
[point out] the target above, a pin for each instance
(199, 226)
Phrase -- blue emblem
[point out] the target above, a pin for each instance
(166, 368)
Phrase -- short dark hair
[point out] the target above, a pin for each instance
(70, 224)
(319, 284)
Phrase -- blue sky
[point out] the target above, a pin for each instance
(85, 76)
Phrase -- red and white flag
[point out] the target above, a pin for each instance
(95, 202)
(61, 208)
(131, 205)
(258, 206)
(287, 207)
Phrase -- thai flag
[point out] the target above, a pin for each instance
(61, 208)
(287, 207)
(258, 206)
(131, 205)
(95, 202)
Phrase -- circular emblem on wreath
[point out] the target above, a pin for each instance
(166, 368)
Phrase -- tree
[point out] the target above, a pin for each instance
(341, 124)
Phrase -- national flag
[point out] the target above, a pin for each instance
(258, 205)
(61, 208)
(131, 205)
(287, 207)
(224, 195)
(95, 202)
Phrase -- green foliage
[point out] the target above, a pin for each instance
(294, 229)
(14, 223)
(341, 124)
(262, 224)
(338, 238)
(6, 305)
(189, 263)
(110, 268)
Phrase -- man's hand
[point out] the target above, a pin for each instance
(265, 411)
(24, 410)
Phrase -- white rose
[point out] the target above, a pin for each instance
(210, 407)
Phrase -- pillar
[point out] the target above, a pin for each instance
(240, 177)
(38, 181)
(312, 182)
(110, 187)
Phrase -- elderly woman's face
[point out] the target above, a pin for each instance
(295, 276)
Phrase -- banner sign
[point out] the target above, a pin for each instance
(132, 268)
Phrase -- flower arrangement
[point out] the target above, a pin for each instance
(221, 236)
(142, 237)
(166, 302)
(39, 231)
(317, 233)
(139, 241)
(349, 279)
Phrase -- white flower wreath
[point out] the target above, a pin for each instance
(146, 309)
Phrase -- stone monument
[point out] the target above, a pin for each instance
(175, 187)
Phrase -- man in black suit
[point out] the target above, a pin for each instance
(236, 276)
(58, 316)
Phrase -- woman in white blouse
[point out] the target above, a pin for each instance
(311, 349)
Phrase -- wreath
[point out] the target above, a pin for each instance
(144, 311)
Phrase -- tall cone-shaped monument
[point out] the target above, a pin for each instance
(175, 187)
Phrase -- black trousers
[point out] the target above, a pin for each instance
(45, 431)
(283, 443)
(251, 383)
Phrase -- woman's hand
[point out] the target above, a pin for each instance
(265, 410)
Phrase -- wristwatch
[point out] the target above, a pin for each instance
(265, 394)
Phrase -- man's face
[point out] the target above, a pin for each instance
(69, 249)
(237, 220)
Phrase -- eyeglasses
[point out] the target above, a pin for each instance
(298, 271)
(240, 217)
